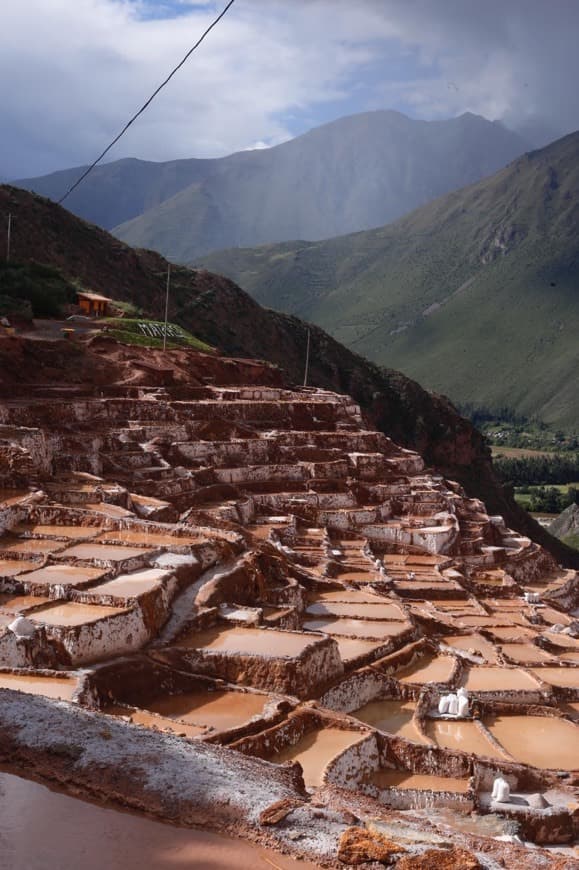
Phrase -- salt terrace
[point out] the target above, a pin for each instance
(253, 568)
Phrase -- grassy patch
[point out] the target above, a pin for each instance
(149, 333)
(42, 288)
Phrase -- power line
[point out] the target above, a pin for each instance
(148, 103)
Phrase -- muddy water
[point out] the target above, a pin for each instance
(347, 595)
(104, 552)
(159, 723)
(351, 648)
(394, 717)
(526, 653)
(250, 641)
(70, 613)
(62, 575)
(464, 736)
(369, 611)
(69, 834)
(421, 782)
(356, 628)
(474, 643)
(151, 539)
(315, 750)
(368, 576)
(51, 687)
(21, 603)
(31, 545)
(542, 741)
(482, 679)
(514, 634)
(130, 585)
(566, 677)
(428, 670)
(219, 710)
(71, 532)
(12, 567)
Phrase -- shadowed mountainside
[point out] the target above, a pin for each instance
(475, 294)
(214, 309)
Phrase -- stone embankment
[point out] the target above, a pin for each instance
(237, 605)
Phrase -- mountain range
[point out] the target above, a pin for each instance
(217, 311)
(354, 173)
(475, 294)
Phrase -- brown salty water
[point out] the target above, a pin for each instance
(474, 642)
(392, 716)
(219, 710)
(482, 679)
(428, 670)
(45, 830)
(463, 736)
(104, 552)
(62, 688)
(159, 723)
(368, 629)
(62, 575)
(250, 641)
(368, 611)
(542, 741)
(315, 750)
(350, 648)
(422, 782)
(70, 613)
(565, 677)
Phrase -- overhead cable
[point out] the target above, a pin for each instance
(148, 102)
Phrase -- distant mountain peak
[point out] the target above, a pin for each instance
(350, 174)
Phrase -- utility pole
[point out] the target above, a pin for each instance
(167, 305)
(8, 238)
(307, 359)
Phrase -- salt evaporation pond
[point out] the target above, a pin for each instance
(481, 679)
(392, 716)
(158, 723)
(420, 781)
(45, 830)
(61, 688)
(462, 736)
(315, 750)
(474, 642)
(350, 648)
(249, 641)
(565, 677)
(220, 710)
(429, 669)
(372, 630)
(70, 613)
(368, 611)
(543, 741)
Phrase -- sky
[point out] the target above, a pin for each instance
(73, 71)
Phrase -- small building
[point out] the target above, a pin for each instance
(93, 305)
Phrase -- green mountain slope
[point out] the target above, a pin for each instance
(351, 174)
(221, 314)
(475, 294)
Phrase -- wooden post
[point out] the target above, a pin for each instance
(167, 306)
(8, 238)
(307, 359)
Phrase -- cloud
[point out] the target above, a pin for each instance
(71, 73)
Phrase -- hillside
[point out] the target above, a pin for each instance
(354, 173)
(217, 311)
(475, 295)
